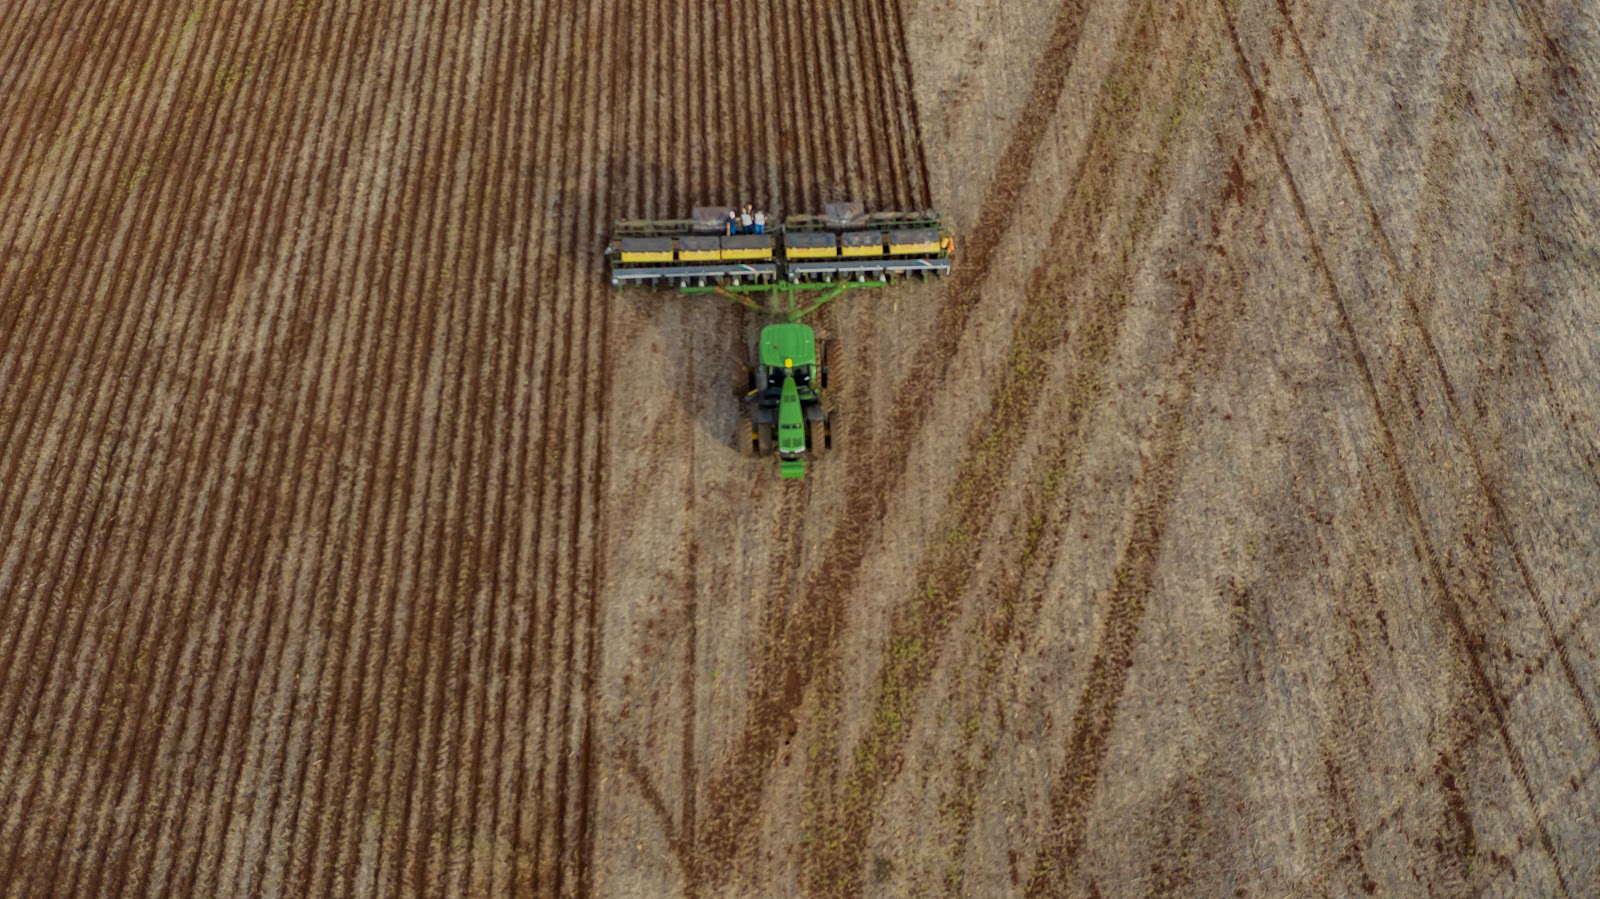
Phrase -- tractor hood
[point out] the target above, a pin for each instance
(791, 421)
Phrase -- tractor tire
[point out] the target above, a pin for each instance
(818, 441)
(830, 352)
(744, 378)
(764, 439)
(745, 437)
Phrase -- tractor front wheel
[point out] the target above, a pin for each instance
(818, 438)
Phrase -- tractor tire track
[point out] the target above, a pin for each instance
(1465, 641)
(1019, 590)
(921, 624)
(732, 790)
(1407, 285)
(1096, 711)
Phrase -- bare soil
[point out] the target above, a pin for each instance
(1224, 525)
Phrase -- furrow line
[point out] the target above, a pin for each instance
(205, 389)
(580, 273)
(751, 147)
(38, 97)
(863, 49)
(546, 602)
(174, 726)
(474, 797)
(341, 616)
(342, 412)
(426, 783)
(454, 717)
(60, 94)
(895, 145)
(547, 662)
(922, 190)
(231, 558)
(400, 859)
(783, 163)
(583, 858)
(489, 818)
(97, 475)
(801, 123)
(839, 84)
(79, 232)
(361, 838)
(64, 371)
(355, 825)
(313, 578)
(528, 812)
(704, 171)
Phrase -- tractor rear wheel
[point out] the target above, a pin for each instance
(745, 439)
(825, 360)
(744, 378)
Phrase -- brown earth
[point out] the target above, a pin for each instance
(1223, 525)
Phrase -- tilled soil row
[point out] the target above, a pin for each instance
(305, 364)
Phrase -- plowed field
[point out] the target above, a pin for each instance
(1225, 524)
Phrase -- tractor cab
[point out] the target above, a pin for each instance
(786, 411)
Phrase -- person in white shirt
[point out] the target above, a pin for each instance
(747, 221)
(761, 222)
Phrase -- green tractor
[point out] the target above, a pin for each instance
(784, 408)
(784, 273)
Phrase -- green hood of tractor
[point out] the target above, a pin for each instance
(791, 432)
(788, 346)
